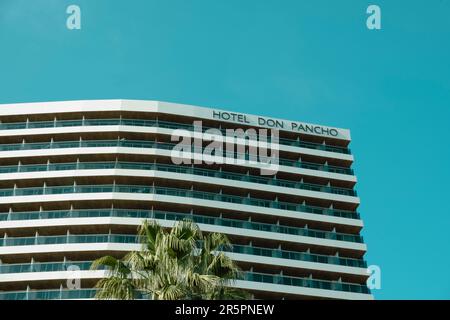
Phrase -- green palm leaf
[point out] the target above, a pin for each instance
(180, 263)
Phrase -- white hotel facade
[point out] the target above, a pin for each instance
(77, 178)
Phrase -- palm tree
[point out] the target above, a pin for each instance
(182, 263)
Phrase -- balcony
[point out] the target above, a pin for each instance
(176, 216)
(121, 238)
(247, 276)
(49, 294)
(156, 124)
(140, 189)
(88, 293)
(306, 282)
(169, 146)
(177, 169)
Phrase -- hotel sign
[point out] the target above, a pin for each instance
(274, 123)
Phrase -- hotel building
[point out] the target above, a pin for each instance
(77, 178)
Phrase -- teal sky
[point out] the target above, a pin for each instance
(312, 61)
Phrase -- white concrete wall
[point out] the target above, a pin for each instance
(138, 106)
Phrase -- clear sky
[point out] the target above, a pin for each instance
(312, 61)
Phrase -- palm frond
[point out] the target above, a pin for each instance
(178, 264)
(149, 233)
(115, 288)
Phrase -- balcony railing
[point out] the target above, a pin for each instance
(178, 193)
(44, 266)
(170, 146)
(306, 282)
(62, 294)
(177, 169)
(248, 276)
(157, 124)
(176, 216)
(121, 238)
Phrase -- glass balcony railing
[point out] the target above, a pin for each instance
(120, 238)
(295, 255)
(43, 266)
(67, 239)
(63, 294)
(177, 169)
(247, 276)
(176, 216)
(178, 193)
(170, 146)
(306, 282)
(157, 124)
